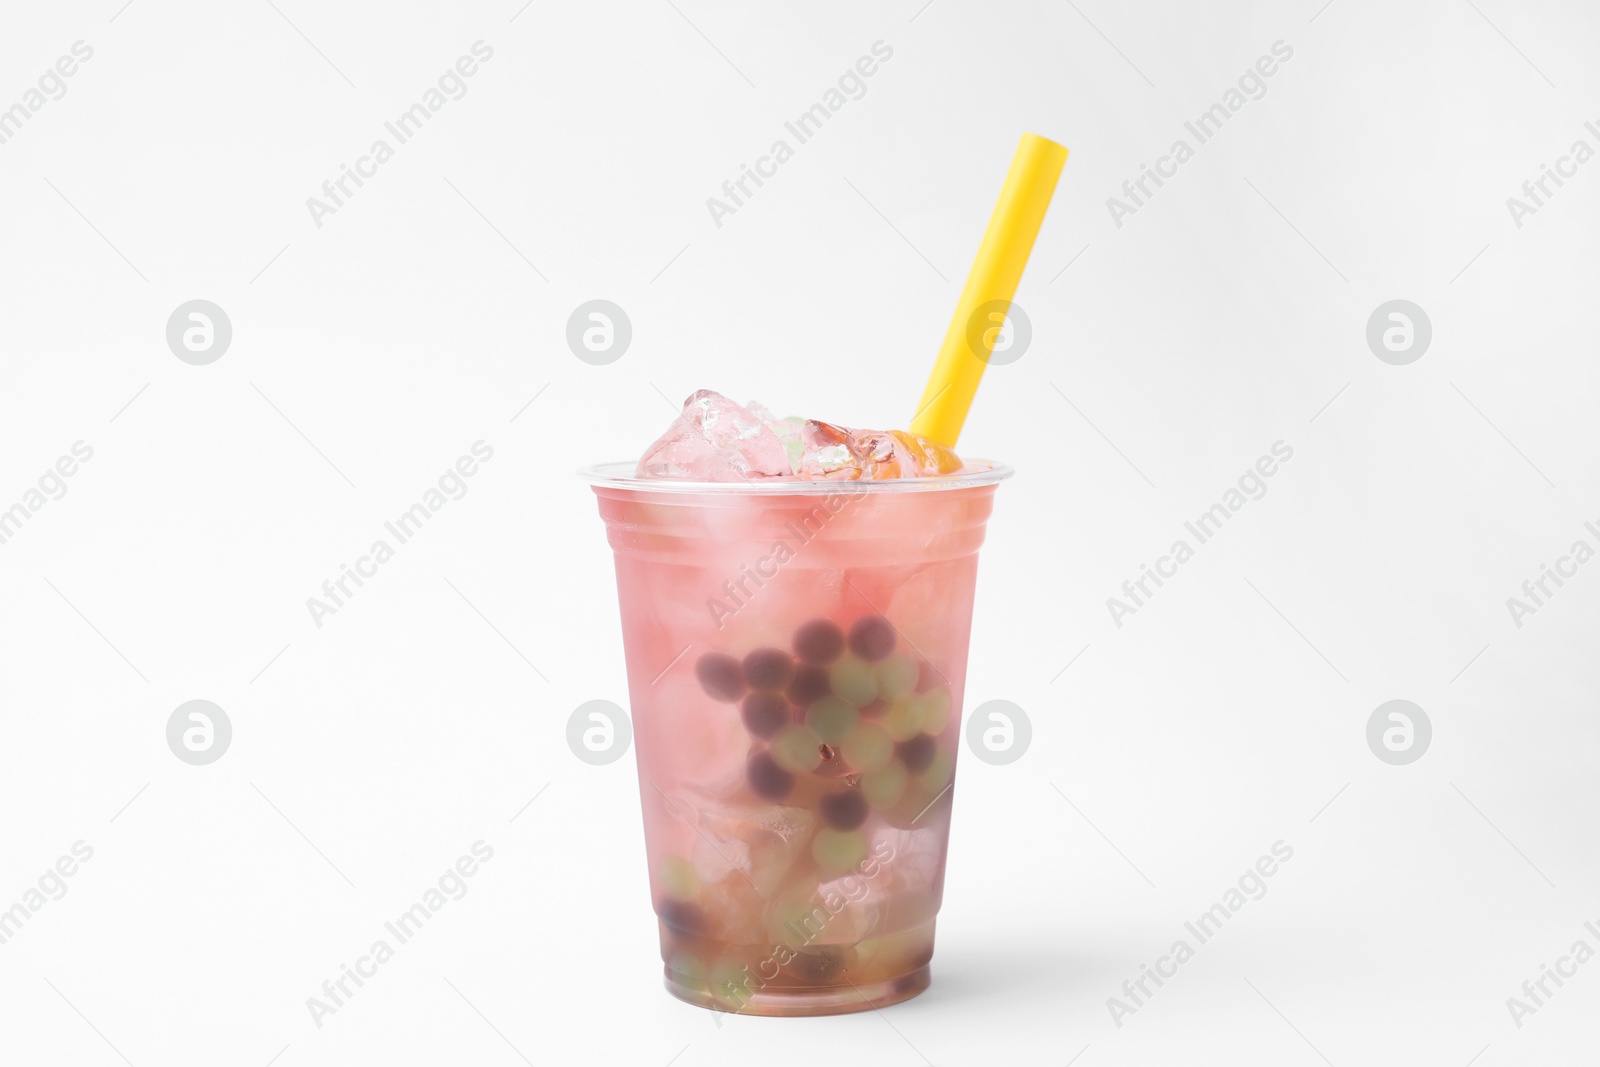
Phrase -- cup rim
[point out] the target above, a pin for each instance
(619, 475)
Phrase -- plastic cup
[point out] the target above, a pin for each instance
(796, 654)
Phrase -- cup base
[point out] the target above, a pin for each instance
(830, 1000)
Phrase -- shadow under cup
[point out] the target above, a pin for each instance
(796, 654)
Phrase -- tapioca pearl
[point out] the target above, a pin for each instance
(689, 972)
(884, 787)
(677, 879)
(819, 641)
(935, 704)
(765, 713)
(867, 747)
(939, 771)
(895, 953)
(844, 810)
(855, 680)
(832, 718)
(721, 676)
(897, 676)
(904, 719)
(687, 968)
(838, 851)
(768, 668)
(795, 748)
(766, 777)
(917, 753)
(928, 675)
(871, 637)
(810, 684)
(728, 981)
(681, 917)
(790, 915)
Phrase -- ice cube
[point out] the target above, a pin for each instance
(715, 440)
(842, 454)
(788, 431)
(762, 841)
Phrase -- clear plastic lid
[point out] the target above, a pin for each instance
(620, 476)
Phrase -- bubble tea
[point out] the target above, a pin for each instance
(796, 602)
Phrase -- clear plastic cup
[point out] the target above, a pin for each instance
(796, 654)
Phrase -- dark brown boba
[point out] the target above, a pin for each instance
(682, 918)
(765, 713)
(766, 778)
(917, 753)
(768, 668)
(721, 676)
(818, 641)
(809, 685)
(844, 810)
(871, 637)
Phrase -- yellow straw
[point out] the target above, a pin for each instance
(994, 276)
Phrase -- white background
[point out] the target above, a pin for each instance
(369, 353)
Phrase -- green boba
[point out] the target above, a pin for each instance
(868, 747)
(729, 983)
(688, 969)
(832, 719)
(897, 676)
(935, 704)
(796, 748)
(855, 680)
(904, 718)
(795, 915)
(884, 787)
(678, 879)
(838, 851)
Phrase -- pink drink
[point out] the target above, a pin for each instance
(796, 655)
